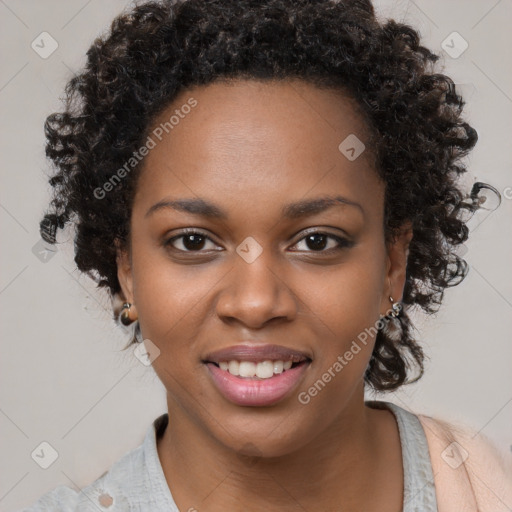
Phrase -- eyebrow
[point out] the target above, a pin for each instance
(299, 209)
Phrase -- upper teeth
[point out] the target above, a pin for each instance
(263, 370)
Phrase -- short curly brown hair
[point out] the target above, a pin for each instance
(159, 48)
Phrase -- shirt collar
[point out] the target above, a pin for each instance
(159, 489)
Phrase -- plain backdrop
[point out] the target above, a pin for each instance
(65, 380)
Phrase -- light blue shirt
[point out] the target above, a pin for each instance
(136, 482)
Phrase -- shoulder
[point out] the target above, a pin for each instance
(112, 491)
(60, 499)
(470, 472)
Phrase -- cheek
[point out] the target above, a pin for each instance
(172, 304)
(347, 299)
(344, 306)
(171, 319)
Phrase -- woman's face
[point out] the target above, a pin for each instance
(261, 156)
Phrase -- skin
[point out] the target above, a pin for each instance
(251, 147)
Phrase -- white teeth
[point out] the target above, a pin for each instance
(247, 369)
(265, 370)
(233, 367)
(278, 367)
(262, 370)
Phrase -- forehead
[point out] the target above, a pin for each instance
(265, 141)
(246, 113)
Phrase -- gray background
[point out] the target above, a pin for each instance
(64, 379)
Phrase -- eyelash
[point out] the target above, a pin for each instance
(343, 243)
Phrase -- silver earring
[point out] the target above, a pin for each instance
(396, 306)
(124, 315)
(138, 333)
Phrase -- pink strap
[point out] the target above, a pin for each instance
(470, 473)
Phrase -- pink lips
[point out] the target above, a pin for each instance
(256, 353)
(256, 392)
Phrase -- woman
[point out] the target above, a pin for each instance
(267, 189)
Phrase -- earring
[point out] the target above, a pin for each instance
(137, 333)
(124, 315)
(396, 306)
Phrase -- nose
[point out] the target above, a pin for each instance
(256, 293)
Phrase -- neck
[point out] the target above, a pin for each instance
(342, 463)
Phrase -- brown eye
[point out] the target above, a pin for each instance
(318, 242)
(191, 241)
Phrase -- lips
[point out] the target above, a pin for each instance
(243, 391)
(256, 353)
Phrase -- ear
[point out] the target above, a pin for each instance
(124, 270)
(398, 252)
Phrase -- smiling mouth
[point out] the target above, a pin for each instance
(257, 370)
(255, 374)
(256, 384)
